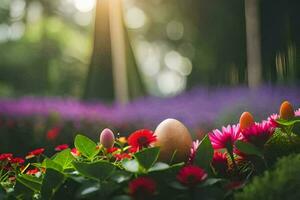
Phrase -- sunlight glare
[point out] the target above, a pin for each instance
(84, 5)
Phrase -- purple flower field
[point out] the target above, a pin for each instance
(200, 108)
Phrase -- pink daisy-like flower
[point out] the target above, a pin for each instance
(193, 151)
(225, 138)
(272, 120)
(259, 133)
(297, 113)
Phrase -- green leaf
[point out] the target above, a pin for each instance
(51, 164)
(159, 166)
(290, 122)
(30, 182)
(122, 197)
(88, 189)
(248, 148)
(64, 159)
(147, 157)
(52, 181)
(86, 146)
(99, 170)
(204, 154)
(131, 165)
(120, 176)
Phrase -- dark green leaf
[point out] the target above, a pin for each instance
(86, 146)
(290, 122)
(147, 157)
(52, 181)
(122, 197)
(248, 148)
(131, 165)
(99, 170)
(30, 182)
(212, 181)
(121, 176)
(64, 159)
(204, 154)
(88, 189)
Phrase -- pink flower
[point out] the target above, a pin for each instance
(297, 113)
(225, 138)
(259, 133)
(191, 175)
(194, 148)
(272, 120)
(61, 147)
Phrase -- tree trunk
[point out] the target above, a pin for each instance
(254, 62)
(113, 74)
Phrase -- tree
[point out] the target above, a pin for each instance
(113, 73)
(254, 63)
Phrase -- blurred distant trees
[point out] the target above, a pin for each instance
(47, 47)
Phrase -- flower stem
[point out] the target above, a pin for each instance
(232, 159)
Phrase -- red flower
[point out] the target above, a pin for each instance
(53, 133)
(141, 138)
(220, 163)
(35, 153)
(75, 152)
(5, 156)
(121, 156)
(61, 147)
(191, 175)
(17, 161)
(33, 171)
(112, 150)
(142, 188)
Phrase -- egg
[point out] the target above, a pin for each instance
(286, 111)
(173, 136)
(246, 120)
(107, 138)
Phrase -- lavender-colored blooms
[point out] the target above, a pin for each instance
(200, 107)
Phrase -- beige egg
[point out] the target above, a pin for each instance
(173, 136)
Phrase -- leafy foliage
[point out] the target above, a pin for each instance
(281, 183)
